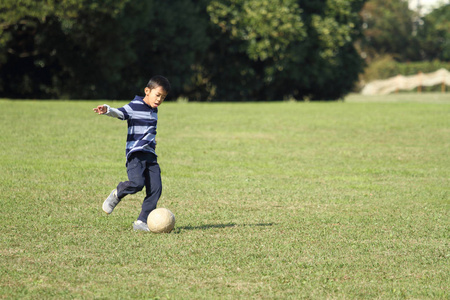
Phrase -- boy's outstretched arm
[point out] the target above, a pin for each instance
(105, 109)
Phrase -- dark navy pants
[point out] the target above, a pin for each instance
(143, 171)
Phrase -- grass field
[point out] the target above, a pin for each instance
(273, 201)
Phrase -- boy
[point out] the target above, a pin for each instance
(142, 166)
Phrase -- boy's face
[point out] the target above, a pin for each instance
(155, 97)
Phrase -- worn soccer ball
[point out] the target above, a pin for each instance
(161, 220)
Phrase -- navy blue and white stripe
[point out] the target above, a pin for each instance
(142, 120)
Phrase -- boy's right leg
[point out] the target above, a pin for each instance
(135, 183)
(136, 179)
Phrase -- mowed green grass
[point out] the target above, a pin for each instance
(272, 200)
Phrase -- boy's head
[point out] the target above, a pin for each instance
(156, 91)
(159, 80)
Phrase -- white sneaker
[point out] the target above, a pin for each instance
(140, 226)
(111, 202)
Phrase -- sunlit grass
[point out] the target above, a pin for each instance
(272, 201)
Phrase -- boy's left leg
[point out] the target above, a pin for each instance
(153, 188)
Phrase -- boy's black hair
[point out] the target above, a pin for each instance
(161, 81)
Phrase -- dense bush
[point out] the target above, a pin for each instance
(80, 49)
(284, 49)
(387, 67)
(211, 50)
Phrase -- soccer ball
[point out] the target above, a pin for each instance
(161, 220)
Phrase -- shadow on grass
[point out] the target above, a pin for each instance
(212, 226)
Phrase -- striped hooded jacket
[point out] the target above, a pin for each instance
(142, 120)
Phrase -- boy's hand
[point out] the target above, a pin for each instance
(101, 109)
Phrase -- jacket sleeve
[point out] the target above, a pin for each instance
(114, 112)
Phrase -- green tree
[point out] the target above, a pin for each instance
(282, 49)
(87, 49)
(210, 49)
(390, 28)
(48, 48)
(250, 42)
(169, 38)
(435, 34)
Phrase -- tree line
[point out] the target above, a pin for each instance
(391, 28)
(211, 50)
